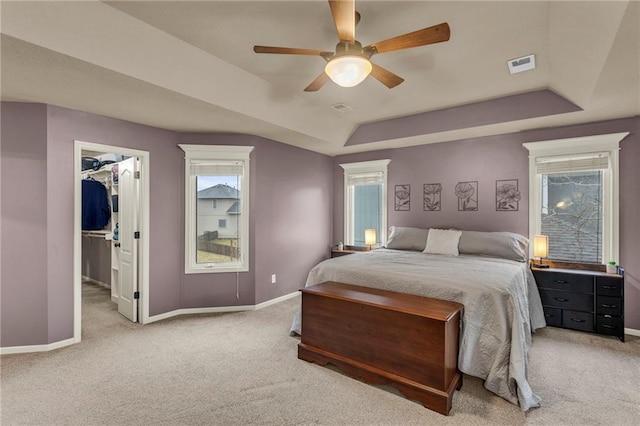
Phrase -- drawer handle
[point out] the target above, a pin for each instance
(610, 327)
(560, 299)
(609, 287)
(578, 320)
(609, 306)
(549, 315)
(561, 282)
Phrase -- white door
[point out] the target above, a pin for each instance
(128, 226)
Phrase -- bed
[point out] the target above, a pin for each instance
(501, 302)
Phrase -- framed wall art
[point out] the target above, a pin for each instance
(467, 193)
(507, 195)
(432, 196)
(402, 198)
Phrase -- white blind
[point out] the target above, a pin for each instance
(575, 163)
(216, 168)
(371, 178)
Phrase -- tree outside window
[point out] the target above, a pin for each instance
(572, 215)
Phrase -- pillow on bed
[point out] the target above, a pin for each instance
(443, 241)
(406, 238)
(505, 245)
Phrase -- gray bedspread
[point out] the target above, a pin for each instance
(501, 307)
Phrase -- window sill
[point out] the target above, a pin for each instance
(216, 270)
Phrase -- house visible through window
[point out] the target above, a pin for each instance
(574, 197)
(216, 208)
(365, 199)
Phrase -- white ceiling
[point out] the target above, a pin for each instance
(189, 66)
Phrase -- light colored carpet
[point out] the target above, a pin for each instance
(241, 368)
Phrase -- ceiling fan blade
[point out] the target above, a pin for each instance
(317, 83)
(435, 34)
(385, 77)
(289, 51)
(344, 16)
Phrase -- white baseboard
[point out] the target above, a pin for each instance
(277, 300)
(100, 283)
(220, 309)
(632, 332)
(36, 348)
(188, 311)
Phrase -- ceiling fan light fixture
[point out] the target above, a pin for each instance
(348, 70)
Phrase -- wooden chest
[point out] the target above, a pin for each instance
(384, 337)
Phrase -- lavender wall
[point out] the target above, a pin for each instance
(492, 158)
(297, 199)
(629, 199)
(96, 259)
(24, 282)
(539, 103)
(203, 290)
(290, 218)
(293, 217)
(67, 125)
(290, 215)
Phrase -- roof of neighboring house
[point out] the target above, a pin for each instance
(570, 244)
(219, 191)
(234, 209)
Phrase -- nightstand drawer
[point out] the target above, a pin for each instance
(606, 286)
(567, 300)
(553, 316)
(609, 306)
(577, 320)
(610, 326)
(564, 281)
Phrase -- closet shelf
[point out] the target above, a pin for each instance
(107, 235)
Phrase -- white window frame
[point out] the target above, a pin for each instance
(214, 153)
(364, 167)
(608, 144)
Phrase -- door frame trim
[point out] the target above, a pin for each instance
(143, 284)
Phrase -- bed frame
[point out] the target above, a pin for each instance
(382, 337)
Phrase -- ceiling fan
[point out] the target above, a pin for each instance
(350, 64)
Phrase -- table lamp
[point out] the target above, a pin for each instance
(540, 249)
(369, 237)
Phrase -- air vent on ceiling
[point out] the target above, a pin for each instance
(342, 107)
(524, 63)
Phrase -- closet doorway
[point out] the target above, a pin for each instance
(111, 215)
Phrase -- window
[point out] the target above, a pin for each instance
(365, 201)
(216, 208)
(573, 187)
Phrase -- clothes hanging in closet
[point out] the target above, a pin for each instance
(96, 212)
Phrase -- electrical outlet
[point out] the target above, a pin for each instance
(273, 278)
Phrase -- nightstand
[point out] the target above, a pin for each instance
(347, 250)
(583, 300)
(337, 253)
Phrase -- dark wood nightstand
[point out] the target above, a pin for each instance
(347, 250)
(583, 300)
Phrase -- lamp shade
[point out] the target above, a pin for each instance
(369, 237)
(540, 246)
(348, 70)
